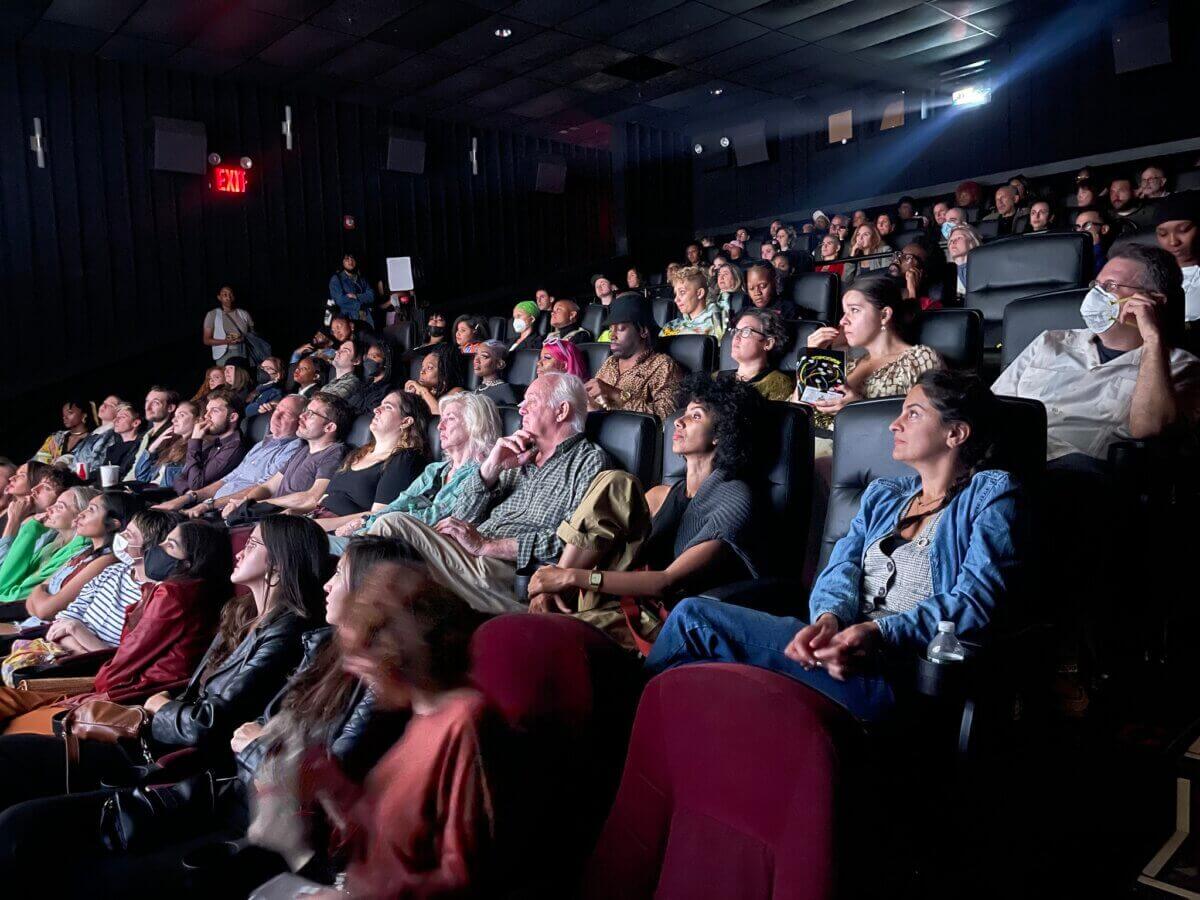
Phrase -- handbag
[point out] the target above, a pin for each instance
(257, 348)
(105, 722)
(146, 817)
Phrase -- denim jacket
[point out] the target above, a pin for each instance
(972, 560)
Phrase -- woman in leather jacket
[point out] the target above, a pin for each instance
(283, 564)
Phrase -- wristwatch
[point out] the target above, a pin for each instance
(191, 495)
(595, 579)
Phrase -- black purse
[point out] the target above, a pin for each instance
(146, 817)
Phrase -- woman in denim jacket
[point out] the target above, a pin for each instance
(940, 546)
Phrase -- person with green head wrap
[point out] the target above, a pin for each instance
(524, 324)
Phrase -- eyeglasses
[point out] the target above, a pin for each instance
(910, 258)
(313, 412)
(745, 331)
(1088, 226)
(1154, 179)
(1111, 286)
(252, 542)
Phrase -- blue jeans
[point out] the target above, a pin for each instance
(700, 630)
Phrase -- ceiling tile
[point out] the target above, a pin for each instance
(600, 83)
(202, 62)
(612, 16)
(122, 48)
(479, 42)
(100, 15)
(364, 60)
(241, 33)
(57, 36)
(418, 71)
(305, 47)
(940, 54)
(322, 85)
(710, 41)
(735, 7)
(730, 62)
(510, 93)
(412, 104)
(538, 50)
(778, 13)
(171, 21)
(367, 95)
(887, 29)
(582, 63)
(667, 27)
(846, 17)
(547, 12)
(360, 17)
(547, 104)
(429, 24)
(297, 10)
(263, 74)
(462, 84)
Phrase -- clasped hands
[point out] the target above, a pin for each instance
(840, 653)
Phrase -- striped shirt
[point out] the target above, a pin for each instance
(102, 602)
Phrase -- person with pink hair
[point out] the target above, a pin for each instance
(562, 356)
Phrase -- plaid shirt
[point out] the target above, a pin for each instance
(534, 500)
(649, 387)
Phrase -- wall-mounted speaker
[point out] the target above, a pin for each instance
(179, 145)
(405, 151)
(551, 177)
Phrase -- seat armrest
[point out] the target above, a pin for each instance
(77, 664)
(68, 686)
(777, 596)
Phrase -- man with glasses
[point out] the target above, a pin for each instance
(1091, 222)
(1153, 184)
(1123, 377)
(302, 482)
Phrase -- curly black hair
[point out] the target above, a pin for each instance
(735, 408)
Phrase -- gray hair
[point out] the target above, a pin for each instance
(568, 389)
(481, 419)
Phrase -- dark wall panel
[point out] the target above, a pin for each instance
(658, 193)
(107, 259)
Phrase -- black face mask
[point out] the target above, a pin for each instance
(263, 377)
(159, 564)
(437, 330)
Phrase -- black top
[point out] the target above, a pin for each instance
(370, 394)
(501, 394)
(122, 453)
(659, 549)
(353, 491)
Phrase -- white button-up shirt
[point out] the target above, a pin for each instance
(1087, 402)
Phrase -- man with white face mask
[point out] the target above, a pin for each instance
(1122, 376)
(95, 618)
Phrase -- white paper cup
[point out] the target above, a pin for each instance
(109, 476)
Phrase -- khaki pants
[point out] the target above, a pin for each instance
(485, 583)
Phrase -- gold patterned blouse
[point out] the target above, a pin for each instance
(891, 380)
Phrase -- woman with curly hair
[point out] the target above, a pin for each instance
(682, 538)
(443, 372)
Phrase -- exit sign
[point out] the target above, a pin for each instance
(229, 180)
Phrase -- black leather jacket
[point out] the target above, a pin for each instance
(357, 738)
(206, 714)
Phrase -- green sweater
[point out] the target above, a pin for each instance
(25, 567)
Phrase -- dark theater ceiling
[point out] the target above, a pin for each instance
(564, 69)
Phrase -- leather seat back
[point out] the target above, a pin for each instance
(595, 353)
(1025, 319)
(360, 431)
(818, 294)
(957, 334)
(694, 352)
(631, 439)
(592, 318)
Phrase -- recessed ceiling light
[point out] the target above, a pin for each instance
(717, 92)
(724, 142)
(503, 32)
(698, 149)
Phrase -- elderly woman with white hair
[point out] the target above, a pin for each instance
(468, 428)
(962, 240)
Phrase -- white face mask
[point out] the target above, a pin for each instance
(120, 548)
(947, 227)
(519, 325)
(1099, 310)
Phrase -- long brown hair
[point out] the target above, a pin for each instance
(205, 390)
(176, 448)
(321, 691)
(413, 439)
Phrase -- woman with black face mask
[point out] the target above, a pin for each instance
(377, 376)
(283, 565)
(270, 385)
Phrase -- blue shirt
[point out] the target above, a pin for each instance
(265, 458)
(343, 283)
(973, 559)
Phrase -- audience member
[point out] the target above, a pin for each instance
(634, 377)
(1125, 204)
(940, 546)
(43, 544)
(875, 318)
(767, 250)
(858, 218)
(634, 280)
(696, 314)
(265, 459)
(562, 356)
(160, 410)
(90, 452)
(378, 376)
(906, 208)
(269, 388)
(530, 482)
(921, 275)
(75, 429)
(8, 470)
(345, 383)
(524, 320)
(1091, 222)
(758, 340)
(694, 253)
(238, 378)
(442, 372)
(742, 234)
(603, 290)
(468, 428)
(95, 619)
(543, 299)
(351, 291)
(564, 323)
(25, 495)
(728, 288)
(671, 540)
(867, 242)
(469, 331)
(968, 194)
(324, 344)
(1006, 210)
(97, 522)
(820, 222)
(1127, 355)
(885, 227)
(1041, 217)
(226, 326)
(736, 250)
(1086, 195)
(127, 426)
(164, 460)
(1152, 185)
(490, 361)
(939, 212)
(304, 478)
(1020, 184)
(963, 239)
(216, 445)
(309, 375)
(435, 328)
(424, 822)
(1175, 220)
(762, 289)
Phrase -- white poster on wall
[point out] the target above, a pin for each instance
(400, 276)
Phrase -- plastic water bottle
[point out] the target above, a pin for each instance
(330, 309)
(945, 646)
